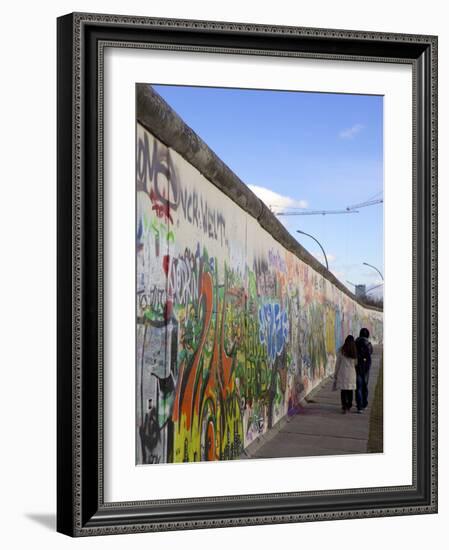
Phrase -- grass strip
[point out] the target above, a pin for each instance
(376, 422)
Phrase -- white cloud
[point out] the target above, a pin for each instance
(349, 133)
(276, 201)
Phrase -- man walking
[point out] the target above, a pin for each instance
(364, 352)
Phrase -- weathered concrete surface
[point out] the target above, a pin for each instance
(320, 428)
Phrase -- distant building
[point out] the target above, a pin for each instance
(360, 291)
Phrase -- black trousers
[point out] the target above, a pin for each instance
(346, 399)
(361, 394)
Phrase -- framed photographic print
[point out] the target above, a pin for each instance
(247, 288)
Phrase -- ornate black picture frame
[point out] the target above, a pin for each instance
(81, 509)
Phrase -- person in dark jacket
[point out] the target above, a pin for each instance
(364, 352)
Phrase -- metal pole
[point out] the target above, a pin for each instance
(369, 265)
(374, 287)
(322, 249)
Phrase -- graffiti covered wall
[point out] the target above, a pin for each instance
(232, 329)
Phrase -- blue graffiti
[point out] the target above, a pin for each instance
(273, 329)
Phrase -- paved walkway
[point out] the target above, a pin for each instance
(320, 428)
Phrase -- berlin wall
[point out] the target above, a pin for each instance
(236, 322)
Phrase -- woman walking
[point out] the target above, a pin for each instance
(345, 378)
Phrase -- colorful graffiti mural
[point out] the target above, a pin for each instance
(232, 329)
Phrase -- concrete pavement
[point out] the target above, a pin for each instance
(320, 428)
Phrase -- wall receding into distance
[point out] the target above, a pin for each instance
(233, 328)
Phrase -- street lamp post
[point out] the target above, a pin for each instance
(369, 265)
(318, 243)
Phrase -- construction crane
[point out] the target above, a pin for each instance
(364, 204)
(315, 212)
(348, 210)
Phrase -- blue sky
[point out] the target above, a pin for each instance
(314, 150)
